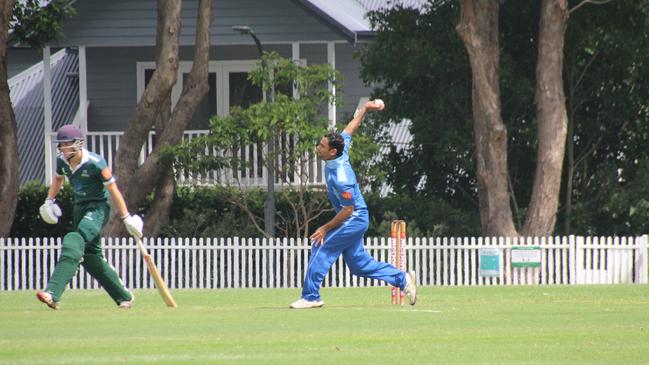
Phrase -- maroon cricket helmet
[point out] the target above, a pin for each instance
(68, 133)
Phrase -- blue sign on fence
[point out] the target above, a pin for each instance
(489, 262)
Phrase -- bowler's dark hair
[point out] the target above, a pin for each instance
(336, 141)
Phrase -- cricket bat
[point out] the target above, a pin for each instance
(153, 271)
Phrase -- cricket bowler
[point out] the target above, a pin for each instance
(92, 182)
(343, 234)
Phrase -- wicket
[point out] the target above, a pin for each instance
(398, 254)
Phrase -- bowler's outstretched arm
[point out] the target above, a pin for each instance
(353, 125)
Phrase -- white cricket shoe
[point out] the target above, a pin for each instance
(46, 298)
(411, 287)
(127, 304)
(306, 304)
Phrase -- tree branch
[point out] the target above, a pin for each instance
(595, 2)
(513, 198)
(583, 72)
(243, 204)
(586, 152)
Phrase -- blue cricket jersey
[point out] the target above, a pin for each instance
(342, 187)
(347, 238)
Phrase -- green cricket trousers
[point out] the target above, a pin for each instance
(83, 246)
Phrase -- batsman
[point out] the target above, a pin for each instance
(343, 234)
(92, 183)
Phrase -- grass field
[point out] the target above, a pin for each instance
(477, 325)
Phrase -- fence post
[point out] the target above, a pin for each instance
(641, 260)
(3, 244)
(572, 255)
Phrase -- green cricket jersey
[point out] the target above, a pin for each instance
(86, 179)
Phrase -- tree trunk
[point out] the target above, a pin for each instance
(479, 32)
(158, 89)
(165, 188)
(158, 215)
(149, 106)
(153, 174)
(194, 91)
(9, 163)
(552, 120)
(570, 165)
(574, 77)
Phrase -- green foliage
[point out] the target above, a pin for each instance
(618, 206)
(28, 223)
(295, 125)
(281, 116)
(207, 212)
(424, 217)
(364, 153)
(423, 73)
(216, 211)
(607, 78)
(36, 24)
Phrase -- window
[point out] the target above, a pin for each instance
(207, 108)
(242, 92)
(229, 86)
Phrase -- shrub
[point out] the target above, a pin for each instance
(28, 223)
(208, 211)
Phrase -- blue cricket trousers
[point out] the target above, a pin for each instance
(347, 239)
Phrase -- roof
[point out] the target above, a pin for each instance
(400, 140)
(26, 93)
(373, 5)
(347, 16)
(350, 16)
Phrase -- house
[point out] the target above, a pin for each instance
(95, 74)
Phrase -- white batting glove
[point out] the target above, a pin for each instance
(50, 212)
(134, 225)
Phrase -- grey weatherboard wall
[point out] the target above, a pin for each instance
(112, 74)
(133, 22)
(118, 34)
(112, 86)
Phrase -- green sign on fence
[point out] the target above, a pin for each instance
(526, 256)
(489, 262)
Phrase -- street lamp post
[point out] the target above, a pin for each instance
(269, 204)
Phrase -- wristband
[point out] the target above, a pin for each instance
(126, 216)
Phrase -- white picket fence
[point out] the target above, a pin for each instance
(26, 264)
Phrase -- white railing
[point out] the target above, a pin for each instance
(26, 264)
(254, 174)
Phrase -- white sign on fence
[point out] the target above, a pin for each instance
(526, 256)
